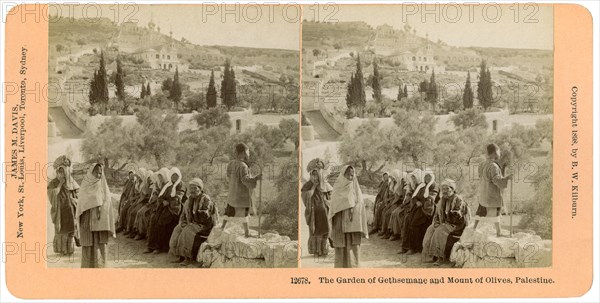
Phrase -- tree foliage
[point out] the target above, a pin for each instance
(355, 97)
(159, 134)
(484, 88)
(98, 93)
(211, 92)
(376, 84)
(212, 117)
(472, 117)
(467, 97)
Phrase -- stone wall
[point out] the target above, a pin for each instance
(482, 249)
(230, 249)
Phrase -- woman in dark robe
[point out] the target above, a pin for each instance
(198, 217)
(128, 191)
(316, 194)
(63, 202)
(382, 194)
(95, 217)
(142, 220)
(166, 214)
(142, 199)
(397, 197)
(422, 206)
(348, 219)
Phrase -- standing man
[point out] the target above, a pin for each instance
(491, 184)
(240, 187)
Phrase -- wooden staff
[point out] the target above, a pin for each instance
(511, 207)
(260, 203)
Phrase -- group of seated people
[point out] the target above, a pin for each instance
(157, 207)
(410, 208)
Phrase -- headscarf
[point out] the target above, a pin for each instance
(450, 183)
(397, 175)
(422, 184)
(173, 171)
(64, 162)
(318, 165)
(346, 193)
(141, 174)
(146, 184)
(94, 193)
(197, 182)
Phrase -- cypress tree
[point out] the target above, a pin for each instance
(143, 92)
(468, 93)
(400, 93)
(101, 85)
(148, 93)
(93, 90)
(432, 93)
(119, 81)
(211, 93)
(484, 89)
(176, 89)
(225, 82)
(375, 83)
(405, 92)
(350, 98)
(359, 87)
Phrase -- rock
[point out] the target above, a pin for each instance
(229, 248)
(482, 249)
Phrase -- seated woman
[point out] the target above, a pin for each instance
(388, 204)
(316, 194)
(382, 193)
(166, 214)
(129, 191)
(394, 226)
(398, 198)
(198, 217)
(142, 199)
(450, 219)
(144, 215)
(422, 206)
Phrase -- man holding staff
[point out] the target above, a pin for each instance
(492, 182)
(241, 184)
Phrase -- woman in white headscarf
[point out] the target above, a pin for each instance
(422, 206)
(198, 217)
(95, 217)
(166, 216)
(348, 219)
(316, 194)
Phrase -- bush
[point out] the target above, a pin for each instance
(282, 211)
(538, 212)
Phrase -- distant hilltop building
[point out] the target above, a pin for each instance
(164, 57)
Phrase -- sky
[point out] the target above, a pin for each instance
(234, 25)
(503, 26)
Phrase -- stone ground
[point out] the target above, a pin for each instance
(374, 252)
(122, 252)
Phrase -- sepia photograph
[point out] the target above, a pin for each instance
(173, 137)
(427, 139)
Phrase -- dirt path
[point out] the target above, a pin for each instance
(374, 253)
